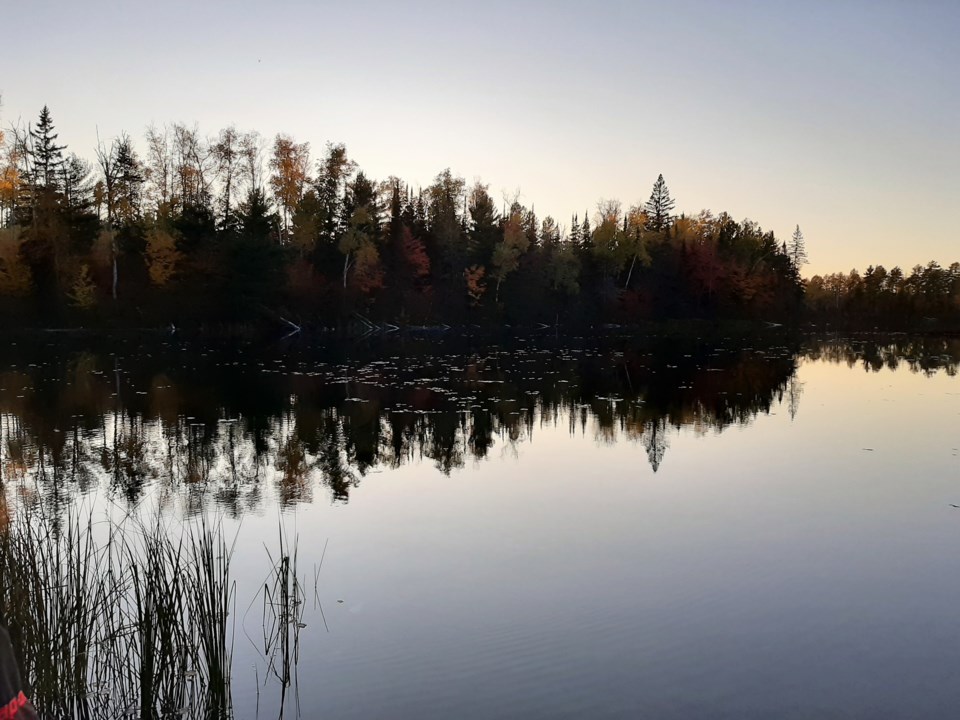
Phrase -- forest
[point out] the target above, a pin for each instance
(186, 230)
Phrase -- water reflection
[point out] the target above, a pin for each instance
(239, 427)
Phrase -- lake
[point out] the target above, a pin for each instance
(540, 527)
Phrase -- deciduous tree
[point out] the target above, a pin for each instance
(162, 255)
(83, 291)
(507, 253)
(289, 168)
(476, 287)
(228, 155)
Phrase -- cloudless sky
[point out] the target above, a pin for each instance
(841, 116)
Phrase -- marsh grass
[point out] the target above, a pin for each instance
(282, 616)
(120, 618)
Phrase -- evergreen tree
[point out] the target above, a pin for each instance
(484, 230)
(419, 225)
(395, 225)
(333, 175)
(255, 217)
(549, 233)
(797, 249)
(659, 206)
(121, 185)
(76, 184)
(47, 156)
(253, 259)
(575, 232)
(130, 176)
(586, 234)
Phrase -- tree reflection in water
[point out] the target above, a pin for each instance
(237, 428)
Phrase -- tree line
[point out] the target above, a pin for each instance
(930, 292)
(189, 229)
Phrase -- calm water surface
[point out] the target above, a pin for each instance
(544, 528)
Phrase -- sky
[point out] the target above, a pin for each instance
(839, 116)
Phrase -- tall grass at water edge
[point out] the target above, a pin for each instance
(119, 618)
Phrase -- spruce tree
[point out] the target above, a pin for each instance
(797, 249)
(659, 207)
(76, 184)
(46, 154)
(130, 176)
(484, 230)
(575, 232)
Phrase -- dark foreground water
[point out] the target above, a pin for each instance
(545, 528)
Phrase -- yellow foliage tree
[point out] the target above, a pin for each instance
(563, 269)
(633, 242)
(368, 272)
(507, 253)
(162, 256)
(290, 166)
(10, 179)
(83, 292)
(607, 238)
(473, 276)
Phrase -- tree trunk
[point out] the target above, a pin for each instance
(626, 285)
(115, 276)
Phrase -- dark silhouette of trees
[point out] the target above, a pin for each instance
(928, 295)
(196, 230)
(253, 272)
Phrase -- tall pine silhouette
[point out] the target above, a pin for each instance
(47, 156)
(659, 206)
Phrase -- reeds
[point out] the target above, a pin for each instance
(119, 618)
(282, 618)
(48, 600)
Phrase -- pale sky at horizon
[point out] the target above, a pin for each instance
(840, 116)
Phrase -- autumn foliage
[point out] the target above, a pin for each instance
(187, 229)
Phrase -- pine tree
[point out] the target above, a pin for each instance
(130, 177)
(575, 232)
(797, 249)
(659, 206)
(46, 154)
(484, 230)
(76, 184)
(254, 216)
(586, 234)
(395, 226)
